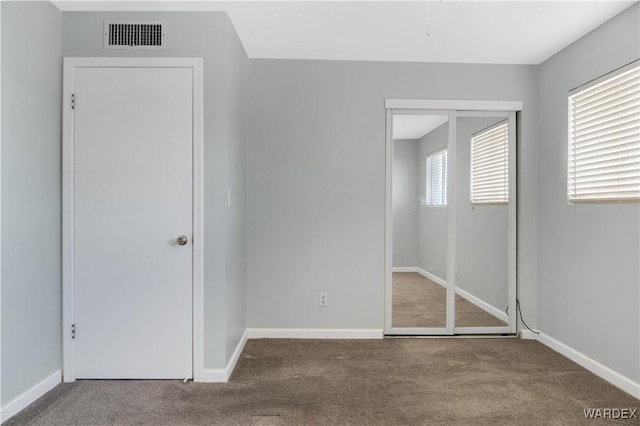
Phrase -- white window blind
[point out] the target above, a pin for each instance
(604, 138)
(437, 178)
(490, 165)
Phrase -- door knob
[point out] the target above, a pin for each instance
(182, 240)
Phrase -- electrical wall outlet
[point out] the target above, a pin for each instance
(323, 301)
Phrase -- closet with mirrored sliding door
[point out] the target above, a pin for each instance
(450, 252)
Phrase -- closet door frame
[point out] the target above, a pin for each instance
(454, 109)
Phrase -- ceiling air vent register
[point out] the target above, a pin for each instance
(134, 35)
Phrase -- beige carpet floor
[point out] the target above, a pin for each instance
(420, 302)
(352, 382)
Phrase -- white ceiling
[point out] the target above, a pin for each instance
(416, 126)
(498, 32)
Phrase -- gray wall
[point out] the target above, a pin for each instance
(207, 35)
(589, 276)
(482, 231)
(31, 196)
(405, 202)
(433, 228)
(316, 182)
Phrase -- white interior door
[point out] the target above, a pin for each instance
(133, 198)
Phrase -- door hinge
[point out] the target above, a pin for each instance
(73, 331)
(73, 101)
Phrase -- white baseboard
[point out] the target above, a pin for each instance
(30, 396)
(420, 271)
(315, 333)
(404, 269)
(588, 363)
(528, 335)
(221, 375)
(436, 279)
(483, 305)
(471, 298)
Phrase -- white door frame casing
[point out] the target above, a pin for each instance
(455, 108)
(1, 419)
(70, 64)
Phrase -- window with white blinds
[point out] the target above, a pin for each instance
(604, 138)
(490, 165)
(437, 178)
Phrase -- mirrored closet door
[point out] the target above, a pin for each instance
(484, 142)
(420, 236)
(450, 252)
